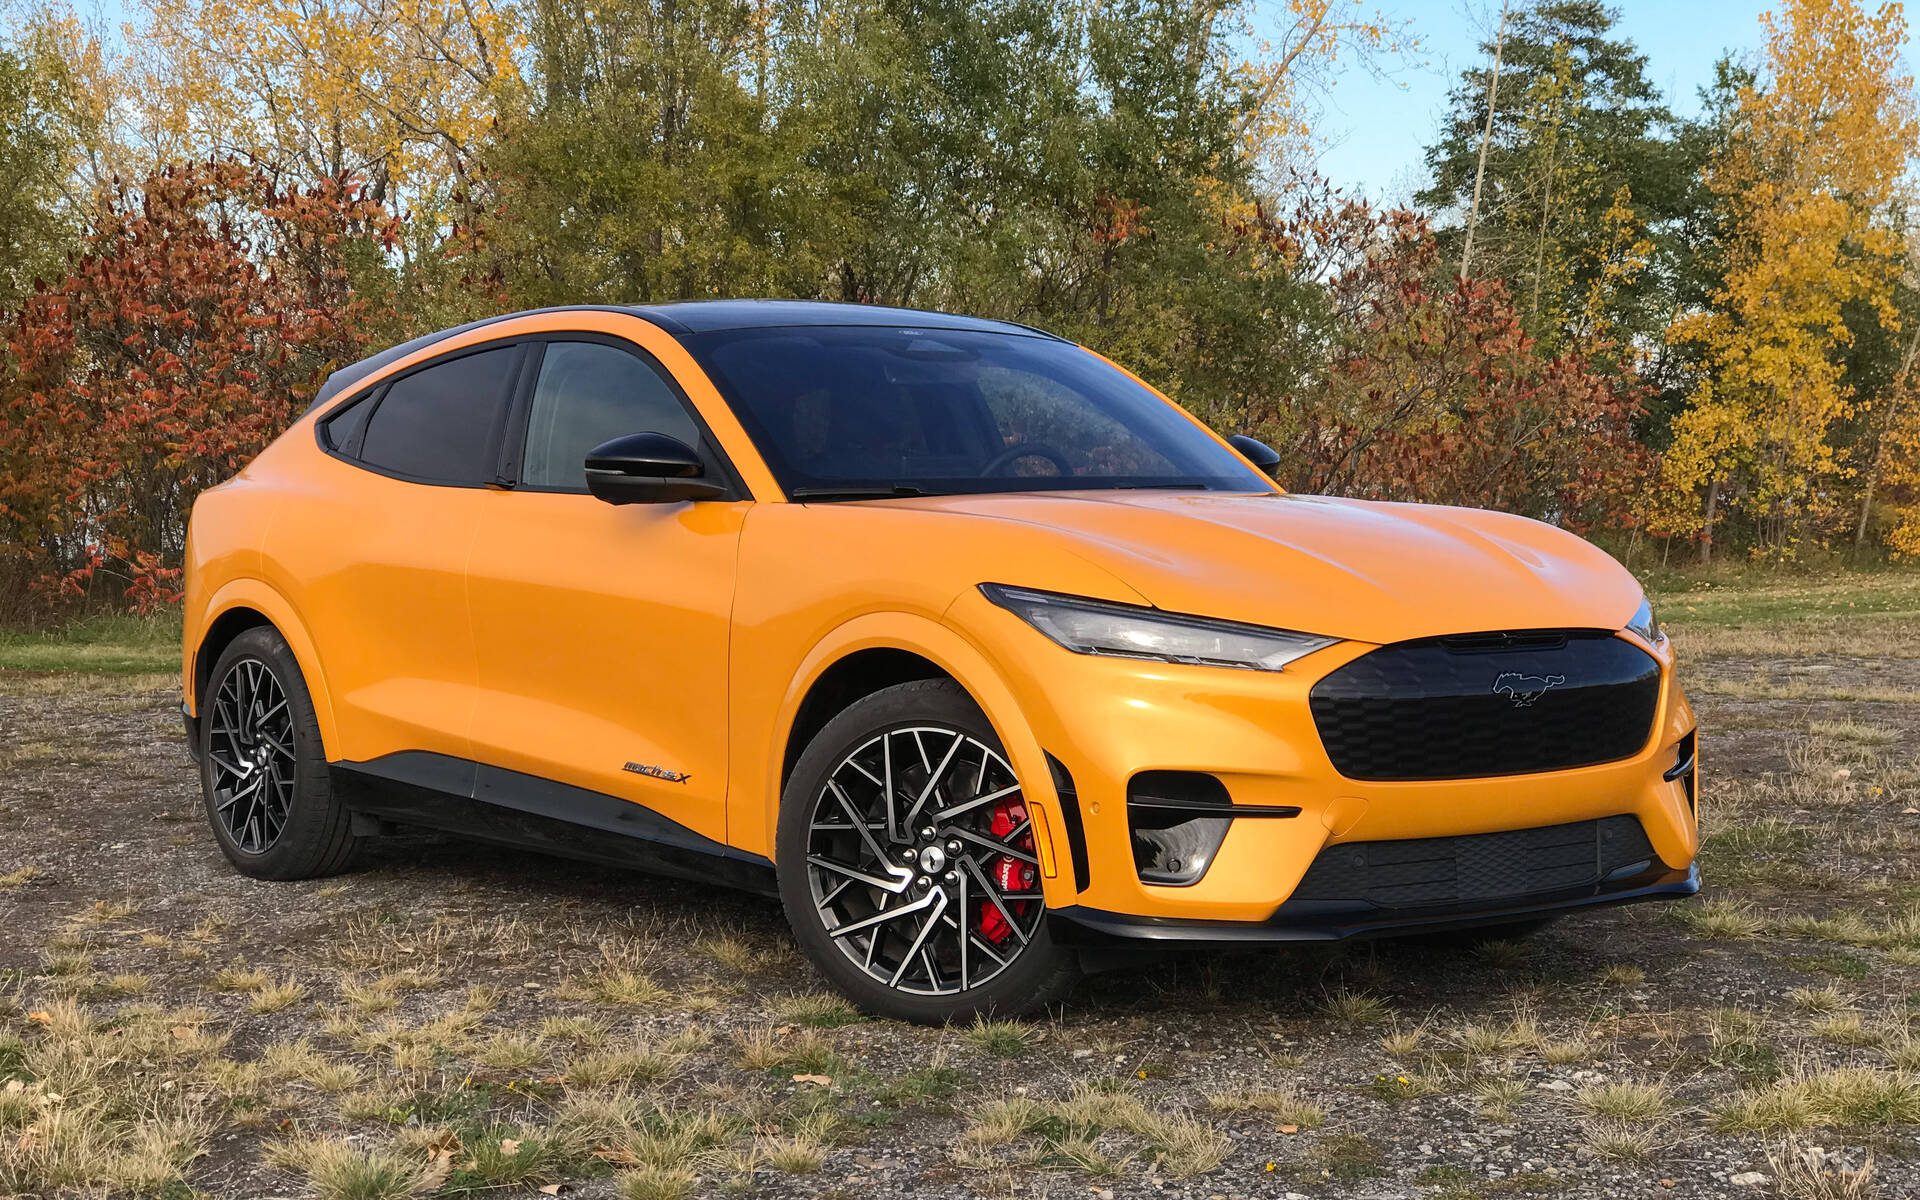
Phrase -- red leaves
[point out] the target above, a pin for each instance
(1430, 390)
(175, 349)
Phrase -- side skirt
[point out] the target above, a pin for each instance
(508, 808)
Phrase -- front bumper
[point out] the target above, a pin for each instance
(1102, 721)
(1077, 925)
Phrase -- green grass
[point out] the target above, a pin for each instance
(107, 644)
(1739, 598)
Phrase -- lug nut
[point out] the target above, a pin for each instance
(922, 883)
(952, 877)
(927, 833)
(953, 847)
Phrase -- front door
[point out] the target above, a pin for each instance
(601, 629)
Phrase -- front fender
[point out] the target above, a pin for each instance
(958, 657)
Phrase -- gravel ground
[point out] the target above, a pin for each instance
(453, 996)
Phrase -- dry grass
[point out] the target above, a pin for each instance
(365, 1065)
(1626, 1100)
(1285, 1105)
(339, 1170)
(86, 1112)
(1810, 1097)
(1351, 1008)
(1071, 1131)
(1802, 1172)
(1720, 919)
(19, 877)
(271, 997)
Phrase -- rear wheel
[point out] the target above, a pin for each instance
(268, 793)
(907, 862)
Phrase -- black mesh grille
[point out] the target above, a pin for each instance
(1487, 704)
(1419, 872)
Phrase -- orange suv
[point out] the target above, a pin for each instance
(962, 641)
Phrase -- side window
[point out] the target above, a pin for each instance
(589, 393)
(342, 429)
(439, 423)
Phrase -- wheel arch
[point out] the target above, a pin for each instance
(244, 604)
(878, 650)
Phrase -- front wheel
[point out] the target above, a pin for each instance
(269, 795)
(907, 863)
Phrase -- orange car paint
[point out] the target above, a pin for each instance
(560, 636)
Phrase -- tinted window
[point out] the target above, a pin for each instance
(938, 410)
(342, 427)
(587, 394)
(439, 423)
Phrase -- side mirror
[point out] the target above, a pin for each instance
(1258, 453)
(648, 468)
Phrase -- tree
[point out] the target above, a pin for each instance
(1583, 123)
(399, 93)
(636, 161)
(48, 117)
(1808, 180)
(1433, 391)
(204, 309)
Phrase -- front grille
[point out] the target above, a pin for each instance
(1476, 868)
(1487, 704)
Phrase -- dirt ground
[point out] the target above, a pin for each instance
(450, 1018)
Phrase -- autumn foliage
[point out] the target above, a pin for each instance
(1678, 331)
(1435, 393)
(192, 328)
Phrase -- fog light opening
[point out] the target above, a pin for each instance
(1176, 854)
(1178, 820)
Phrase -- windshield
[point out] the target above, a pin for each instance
(847, 412)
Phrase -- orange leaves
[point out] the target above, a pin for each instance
(1432, 390)
(176, 347)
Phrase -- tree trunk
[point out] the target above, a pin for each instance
(1866, 503)
(1706, 532)
(1486, 136)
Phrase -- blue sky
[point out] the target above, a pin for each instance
(1374, 130)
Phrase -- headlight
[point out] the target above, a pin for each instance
(1127, 631)
(1644, 624)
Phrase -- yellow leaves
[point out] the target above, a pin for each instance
(398, 90)
(1808, 180)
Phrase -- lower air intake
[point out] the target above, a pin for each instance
(1475, 868)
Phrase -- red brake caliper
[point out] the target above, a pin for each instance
(1009, 874)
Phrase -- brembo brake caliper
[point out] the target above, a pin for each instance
(1009, 873)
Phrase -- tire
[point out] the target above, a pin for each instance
(269, 796)
(996, 956)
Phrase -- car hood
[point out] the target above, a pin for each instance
(1351, 569)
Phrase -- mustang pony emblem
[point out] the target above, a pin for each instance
(1523, 690)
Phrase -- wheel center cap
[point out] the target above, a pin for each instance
(933, 860)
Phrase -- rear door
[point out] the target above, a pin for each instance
(383, 535)
(602, 630)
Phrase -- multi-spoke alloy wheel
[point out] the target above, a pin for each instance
(908, 861)
(250, 750)
(923, 867)
(269, 793)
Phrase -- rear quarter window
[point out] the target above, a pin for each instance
(441, 424)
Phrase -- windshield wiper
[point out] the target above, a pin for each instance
(883, 491)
